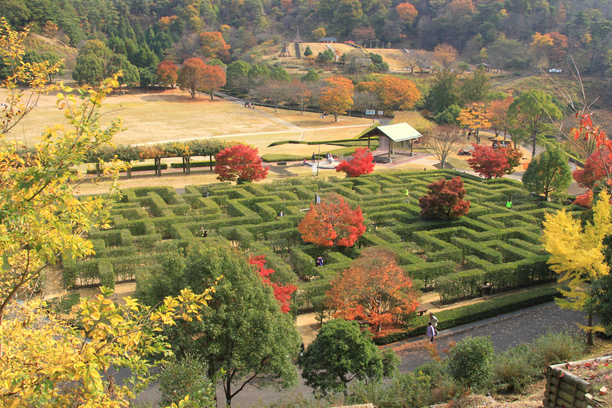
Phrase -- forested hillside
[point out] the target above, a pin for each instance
(510, 34)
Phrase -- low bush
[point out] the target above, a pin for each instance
(554, 348)
(470, 362)
(514, 370)
(403, 390)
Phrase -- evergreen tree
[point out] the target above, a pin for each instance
(444, 92)
(548, 172)
(243, 331)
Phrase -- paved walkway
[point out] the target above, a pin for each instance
(505, 331)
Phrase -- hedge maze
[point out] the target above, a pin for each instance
(492, 244)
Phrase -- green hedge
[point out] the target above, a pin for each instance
(302, 263)
(138, 167)
(107, 274)
(205, 163)
(473, 313)
(465, 284)
(428, 272)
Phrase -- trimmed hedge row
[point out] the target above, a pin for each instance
(502, 242)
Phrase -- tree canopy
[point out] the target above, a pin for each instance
(549, 172)
(339, 354)
(332, 222)
(374, 289)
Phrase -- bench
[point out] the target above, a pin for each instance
(421, 310)
(281, 163)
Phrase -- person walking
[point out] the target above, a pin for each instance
(431, 332)
(434, 323)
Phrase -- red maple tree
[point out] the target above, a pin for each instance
(282, 293)
(445, 200)
(362, 162)
(596, 168)
(240, 163)
(332, 222)
(375, 289)
(488, 162)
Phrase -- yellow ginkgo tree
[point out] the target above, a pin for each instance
(49, 359)
(576, 255)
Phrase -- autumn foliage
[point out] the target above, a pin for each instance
(167, 73)
(240, 163)
(336, 97)
(191, 76)
(282, 293)
(445, 200)
(362, 162)
(213, 79)
(332, 222)
(596, 168)
(374, 289)
(213, 46)
(407, 12)
(493, 163)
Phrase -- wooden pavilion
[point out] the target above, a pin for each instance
(390, 135)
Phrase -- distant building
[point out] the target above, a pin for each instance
(328, 40)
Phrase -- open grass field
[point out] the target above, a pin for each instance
(171, 115)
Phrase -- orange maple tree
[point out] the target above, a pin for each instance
(167, 73)
(362, 162)
(336, 97)
(558, 51)
(213, 79)
(214, 46)
(282, 293)
(332, 222)
(397, 93)
(191, 76)
(375, 289)
(475, 116)
(406, 12)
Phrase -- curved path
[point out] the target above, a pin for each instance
(506, 331)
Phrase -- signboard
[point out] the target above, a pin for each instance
(370, 111)
(380, 113)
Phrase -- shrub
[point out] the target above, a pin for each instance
(554, 348)
(514, 369)
(470, 362)
(404, 390)
(186, 377)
